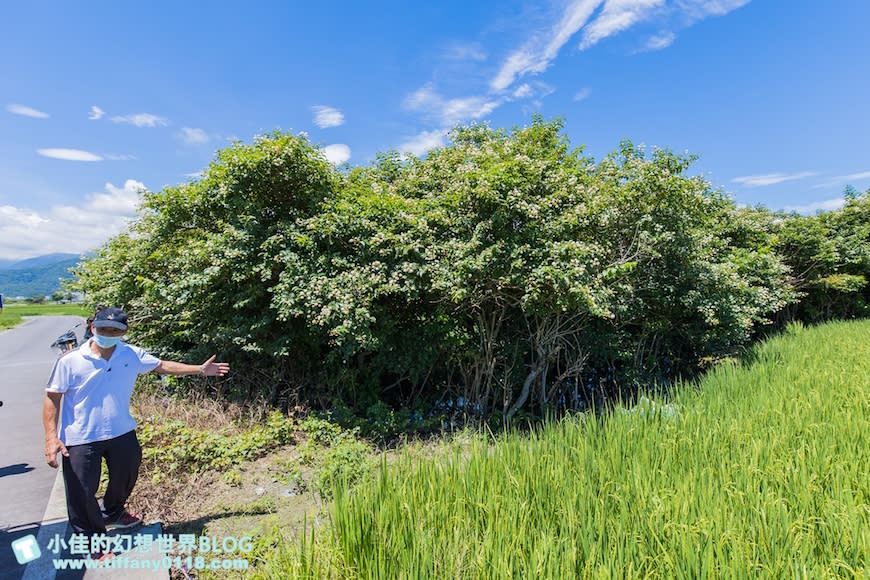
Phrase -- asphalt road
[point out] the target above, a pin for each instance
(26, 480)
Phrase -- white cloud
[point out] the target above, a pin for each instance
(121, 201)
(582, 94)
(425, 141)
(771, 178)
(535, 56)
(337, 153)
(522, 91)
(80, 228)
(122, 157)
(195, 174)
(96, 113)
(826, 205)
(141, 120)
(697, 10)
(26, 111)
(616, 16)
(325, 117)
(450, 111)
(843, 180)
(660, 41)
(464, 52)
(458, 110)
(69, 154)
(192, 136)
(423, 98)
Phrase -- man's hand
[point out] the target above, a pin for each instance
(212, 369)
(207, 369)
(52, 448)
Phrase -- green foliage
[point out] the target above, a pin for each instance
(504, 274)
(339, 457)
(232, 477)
(174, 446)
(829, 257)
(263, 505)
(344, 464)
(198, 268)
(320, 430)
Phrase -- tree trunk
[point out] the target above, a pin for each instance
(524, 394)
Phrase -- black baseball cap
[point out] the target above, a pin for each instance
(111, 318)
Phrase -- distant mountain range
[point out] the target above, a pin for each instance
(39, 276)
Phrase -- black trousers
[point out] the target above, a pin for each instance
(81, 477)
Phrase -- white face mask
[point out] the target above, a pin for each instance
(106, 341)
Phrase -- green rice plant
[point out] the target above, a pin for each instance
(760, 470)
(13, 313)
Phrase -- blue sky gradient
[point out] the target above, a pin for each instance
(99, 100)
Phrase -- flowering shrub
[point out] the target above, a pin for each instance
(505, 270)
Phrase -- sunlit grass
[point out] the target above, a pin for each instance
(762, 470)
(12, 313)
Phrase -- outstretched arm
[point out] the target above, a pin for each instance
(207, 369)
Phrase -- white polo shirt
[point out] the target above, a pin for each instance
(96, 391)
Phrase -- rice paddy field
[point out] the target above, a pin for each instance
(13, 313)
(760, 470)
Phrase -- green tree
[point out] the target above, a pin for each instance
(504, 272)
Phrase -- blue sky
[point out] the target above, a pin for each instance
(100, 99)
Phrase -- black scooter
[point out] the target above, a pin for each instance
(67, 341)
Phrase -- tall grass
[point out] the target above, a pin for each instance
(761, 470)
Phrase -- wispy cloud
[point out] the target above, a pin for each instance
(450, 111)
(523, 91)
(826, 205)
(464, 52)
(696, 10)
(594, 20)
(660, 41)
(141, 120)
(771, 178)
(325, 117)
(425, 141)
(537, 54)
(337, 153)
(616, 16)
(582, 94)
(25, 232)
(69, 154)
(456, 110)
(843, 180)
(122, 157)
(855, 176)
(192, 136)
(96, 113)
(594, 25)
(26, 111)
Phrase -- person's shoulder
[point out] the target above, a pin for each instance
(72, 357)
(135, 350)
(82, 351)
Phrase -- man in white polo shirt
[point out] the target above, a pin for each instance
(94, 384)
